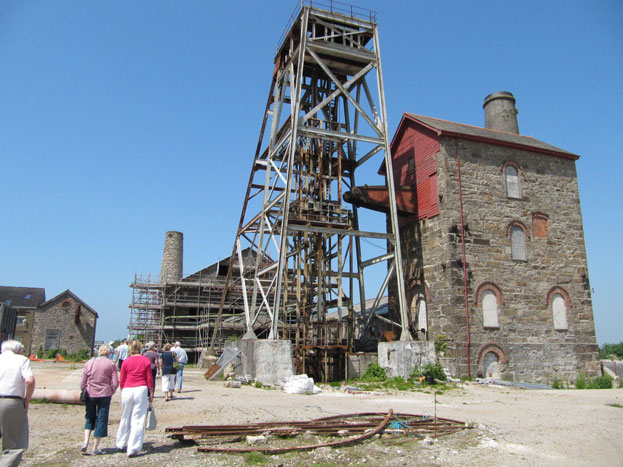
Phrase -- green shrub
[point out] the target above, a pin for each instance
(374, 372)
(440, 344)
(600, 382)
(416, 374)
(434, 371)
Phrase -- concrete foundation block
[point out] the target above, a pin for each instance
(400, 358)
(268, 361)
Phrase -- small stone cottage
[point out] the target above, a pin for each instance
(64, 322)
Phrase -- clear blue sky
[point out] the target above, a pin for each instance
(122, 120)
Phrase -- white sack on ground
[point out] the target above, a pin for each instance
(301, 384)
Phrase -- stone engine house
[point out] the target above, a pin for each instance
(494, 256)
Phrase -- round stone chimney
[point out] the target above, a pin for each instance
(500, 112)
(172, 257)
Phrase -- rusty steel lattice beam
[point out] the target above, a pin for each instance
(362, 425)
(323, 131)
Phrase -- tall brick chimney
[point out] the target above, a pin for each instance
(172, 257)
(500, 112)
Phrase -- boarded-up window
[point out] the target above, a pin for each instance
(539, 225)
(518, 243)
(489, 310)
(422, 318)
(52, 339)
(559, 309)
(512, 182)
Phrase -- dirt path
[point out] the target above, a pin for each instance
(512, 426)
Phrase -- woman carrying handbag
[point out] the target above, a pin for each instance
(100, 380)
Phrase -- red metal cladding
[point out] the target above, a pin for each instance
(420, 145)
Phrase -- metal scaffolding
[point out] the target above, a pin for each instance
(322, 128)
(186, 310)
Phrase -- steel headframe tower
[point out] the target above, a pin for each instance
(324, 128)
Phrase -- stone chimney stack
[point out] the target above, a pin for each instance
(172, 257)
(500, 112)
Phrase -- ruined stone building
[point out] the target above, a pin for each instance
(494, 255)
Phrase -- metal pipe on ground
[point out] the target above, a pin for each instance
(58, 396)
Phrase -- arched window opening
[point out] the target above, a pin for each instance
(489, 310)
(422, 316)
(491, 365)
(518, 243)
(559, 311)
(512, 182)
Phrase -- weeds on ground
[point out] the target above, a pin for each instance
(255, 458)
(598, 382)
(618, 406)
(556, 383)
(425, 380)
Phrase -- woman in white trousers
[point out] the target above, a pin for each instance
(136, 384)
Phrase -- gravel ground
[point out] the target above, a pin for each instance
(511, 426)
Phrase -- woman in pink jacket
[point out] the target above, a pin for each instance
(136, 392)
(99, 378)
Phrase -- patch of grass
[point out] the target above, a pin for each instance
(40, 401)
(255, 458)
(399, 384)
(618, 406)
(581, 382)
(335, 384)
(258, 385)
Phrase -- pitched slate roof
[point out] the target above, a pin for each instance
(447, 128)
(69, 293)
(17, 296)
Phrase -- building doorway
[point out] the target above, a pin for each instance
(491, 365)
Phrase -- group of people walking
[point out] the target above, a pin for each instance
(139, 367)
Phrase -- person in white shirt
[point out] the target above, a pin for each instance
(17, 384)
(182, 359)
(121, 353)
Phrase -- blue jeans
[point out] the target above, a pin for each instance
(179, 375)
(97, 415)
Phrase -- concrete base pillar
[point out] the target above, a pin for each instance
(401, 358)
(268, 361)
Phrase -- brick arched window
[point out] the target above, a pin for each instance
(518, 236)
(489, 297)
(497, 351)
(559, 302)
(511, 171)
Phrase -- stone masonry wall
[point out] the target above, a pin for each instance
(528, 346)
(60, 315)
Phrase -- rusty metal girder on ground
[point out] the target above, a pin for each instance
(362, 425)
